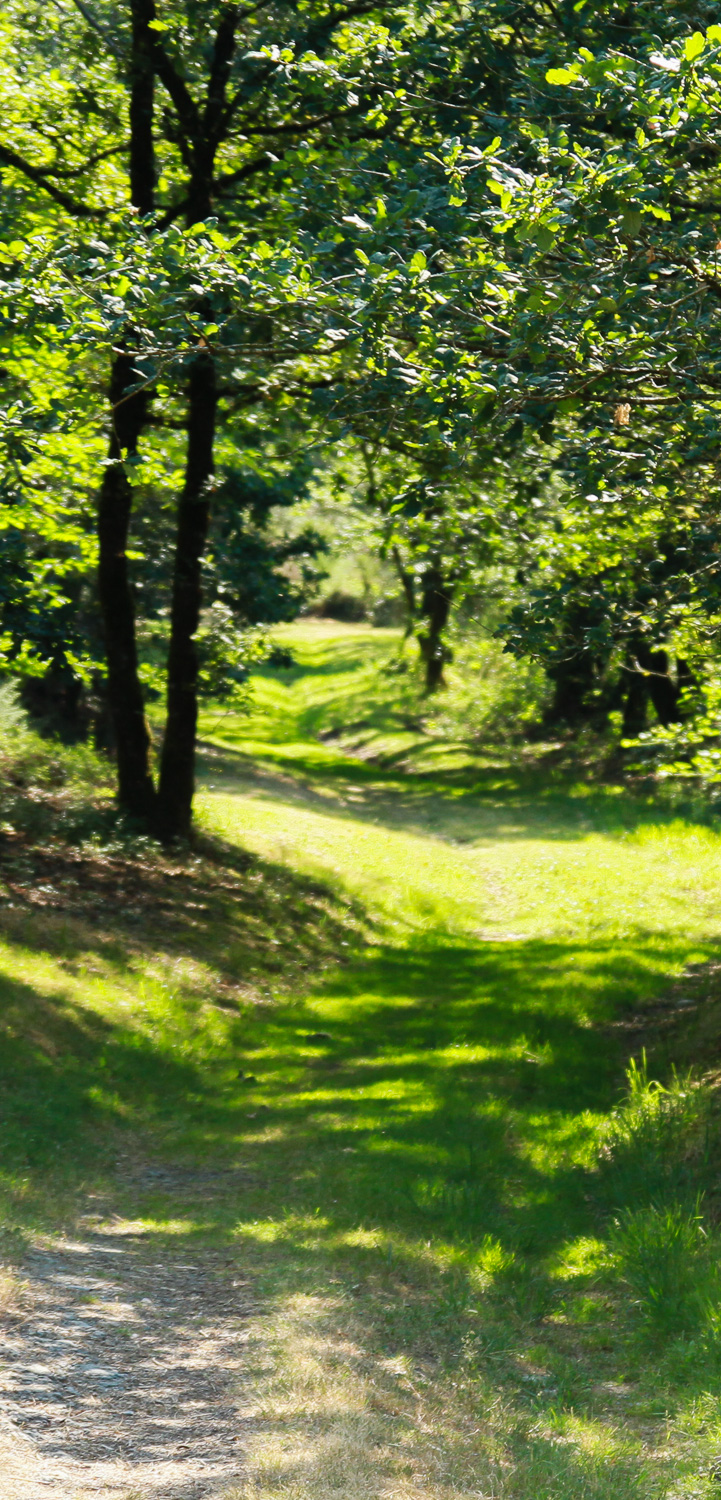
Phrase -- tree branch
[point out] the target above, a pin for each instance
(249, 169)
(86, 166)
(223, 52)
(185, 105)
(102, 31)
(35, 174)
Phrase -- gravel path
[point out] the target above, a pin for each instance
(117, 1371)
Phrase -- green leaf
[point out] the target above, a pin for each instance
(631, 221)
(544, 238)
(694, 45)
(559, 76)
(362, 257)
(418, 262)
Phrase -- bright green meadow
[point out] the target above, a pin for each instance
(397, 987)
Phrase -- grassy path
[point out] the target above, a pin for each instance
(402, 1026)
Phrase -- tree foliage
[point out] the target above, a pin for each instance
(479, 247)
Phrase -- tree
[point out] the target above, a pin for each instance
(334, 139)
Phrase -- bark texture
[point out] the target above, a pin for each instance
(127, 711)
(136, 792)
(142, 95)
(177, 771)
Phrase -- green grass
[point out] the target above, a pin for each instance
(404, 1016)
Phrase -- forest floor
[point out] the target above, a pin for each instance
(304, 1176)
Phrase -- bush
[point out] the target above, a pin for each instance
(280, 656)
(46, 787)
(389, 611)
(490, 694)
(657, 1161)
(341, 606)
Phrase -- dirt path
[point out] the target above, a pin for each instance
(117, 1370)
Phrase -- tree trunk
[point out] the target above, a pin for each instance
(177, 769)
(177, 772)
(136, 793)
(142, 97)
(130, 729)
(125, 697)
(409, 593)
(435, 607)
(636, 701)
(663, 691)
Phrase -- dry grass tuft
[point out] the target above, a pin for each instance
(10, 1291)
(328, 1418)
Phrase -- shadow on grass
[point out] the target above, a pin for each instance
(448, 1089)
(426, 1114)
(244, 918)
(461, 806)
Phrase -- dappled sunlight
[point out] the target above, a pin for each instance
(367, 1053)
(605, 885)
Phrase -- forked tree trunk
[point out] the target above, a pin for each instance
(177, 771)
(663, 691)
(177, 767)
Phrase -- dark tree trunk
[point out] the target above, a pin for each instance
(131, 733)
(409, 593)
(635, 705)
(685, 679)
(435, 608)
(663, 690)
(575, 672)
(573, 678)
(177, 772)
(651, 681)
(142, 91)
(202, 138)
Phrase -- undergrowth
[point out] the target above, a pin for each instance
(660, 1160)
(48, 789)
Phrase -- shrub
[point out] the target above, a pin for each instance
(46, 787)
(490, 694)
(341, 606)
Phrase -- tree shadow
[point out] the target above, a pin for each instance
(460, 806)
(250, 917)
(422, 1109)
